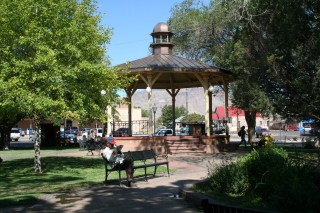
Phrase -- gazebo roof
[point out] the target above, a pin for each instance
(175, 71)
(164, 70)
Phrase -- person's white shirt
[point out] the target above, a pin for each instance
(108, 154)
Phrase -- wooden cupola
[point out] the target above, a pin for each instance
(162, 35)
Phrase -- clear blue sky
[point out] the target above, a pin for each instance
(132, 22)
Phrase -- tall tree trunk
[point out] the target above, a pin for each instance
(2, 138)
(37, 142)
(5, 131)
(251, 121)
(7, 139)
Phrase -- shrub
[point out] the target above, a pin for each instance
(267, 174)
(298, 191)
(265, 167)
(230, 178)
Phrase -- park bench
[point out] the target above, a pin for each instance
(147, 158)
(91, 146)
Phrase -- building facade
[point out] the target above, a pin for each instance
(236, 118)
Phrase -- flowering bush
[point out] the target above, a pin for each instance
(266, 141)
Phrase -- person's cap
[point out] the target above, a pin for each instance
(111, 140)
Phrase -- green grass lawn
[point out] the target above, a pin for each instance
(20, 184)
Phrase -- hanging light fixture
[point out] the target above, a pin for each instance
(148, 89)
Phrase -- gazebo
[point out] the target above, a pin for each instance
(164, 70)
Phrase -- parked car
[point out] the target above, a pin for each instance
(85, 131)
(291, 127)
(307, 130)
(258, 128)
(14, 134)
(66, 134)
(164, 132)
(218, 130)
(32, 135)
(262, 132)
(29, 131)
(74, 130)
(99, 132)
(121, 132)
(21, 132)
(313, 131)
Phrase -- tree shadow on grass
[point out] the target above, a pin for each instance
(20, 184)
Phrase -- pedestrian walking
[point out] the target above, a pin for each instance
(242, 134)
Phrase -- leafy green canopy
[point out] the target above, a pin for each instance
(52, 60)
(167, 115)
(271, 45)
(209, 32)
(193, 118)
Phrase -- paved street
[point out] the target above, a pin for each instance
(281, 137)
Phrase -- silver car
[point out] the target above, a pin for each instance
(164, 132)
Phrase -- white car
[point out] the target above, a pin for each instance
(164, 132)
(307, 130)
(99, 132)
(85, 132)
(14, 134)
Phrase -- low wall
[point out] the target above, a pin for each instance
(215, 139)
(156, 143)
(214, 143)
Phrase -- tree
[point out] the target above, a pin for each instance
(166, 114)
(292, 77)
(282, 40)
(271, 45)
(207, 32)
(145, 113)
(193, 118)
(52, 62)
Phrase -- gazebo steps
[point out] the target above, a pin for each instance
(175, 152)
(185, 146)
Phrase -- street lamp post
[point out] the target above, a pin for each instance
(187, 116)
(149, 91)
(105, 129)
(113, 124)
(108, 129)
(210, 89)
(154, 109)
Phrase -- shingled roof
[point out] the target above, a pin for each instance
(168, 63)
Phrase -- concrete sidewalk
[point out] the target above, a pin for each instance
(156, 195)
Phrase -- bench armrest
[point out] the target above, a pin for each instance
(162, 156)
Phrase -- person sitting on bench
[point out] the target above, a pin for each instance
(117, 160)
